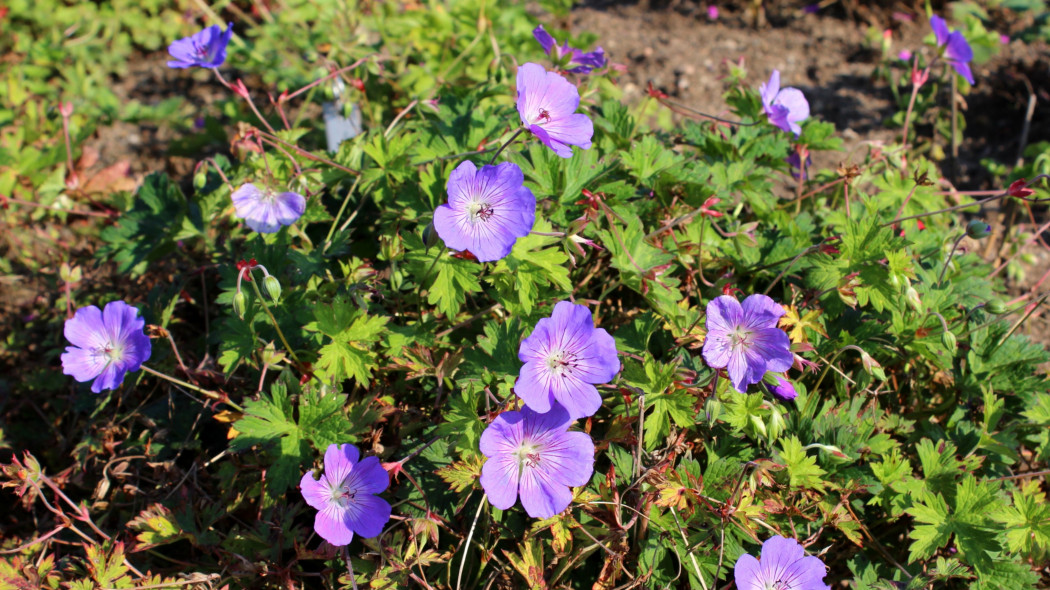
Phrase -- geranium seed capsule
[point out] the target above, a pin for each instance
(273, 287)
(239, 304)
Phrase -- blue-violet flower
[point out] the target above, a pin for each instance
(266, 211)
(785, 107)
(784, 566)
(206, 49)
(107, 344)
(345, 496)
(535, 456)
(745, 339)
(487, 210)
(547, 104)
(954, 48)
(585, 61)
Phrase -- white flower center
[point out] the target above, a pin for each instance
(741, 338)
(113, 353)
(561, 362)
(541, 117)
(776, 585)
(528, 455)
(480, 211)
(341, 494)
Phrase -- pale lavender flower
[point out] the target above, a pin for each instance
(784, 390)
(904, 55)
(745, 339)
(265, 210)
(534, 456)
(784, 566)
(954, 48)
(345, 496)
(547, 105)
(206, 49)
(487, 210)
(786, 107)
(564, 357)
(107, 344)
(586, 61)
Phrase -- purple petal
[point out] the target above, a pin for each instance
(540, 496)
(339, 460)
(82, 364)
(940, 30)
(797, 107)
(770, 350)
(769, 90)
(85, 328)
(717, 350)
(778, 554)
(499, 479)
(367, 515)
(739, 372)
(958, 48)
(503, 435)
(760, 312)
(784, 390)
(575, 129)
(806, 574)
(580, 399)
(569, 460)
(331, 524)
(531, 82)
(110, 378)
(747, 574)
(963, 69)
(724, 314)
(368, 476)
(593, 59)
(534, 386)
(544, 38)
(460, 185)
(315, 492)
(290, 207)
(558, 147)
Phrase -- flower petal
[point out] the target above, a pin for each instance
(540, 496)
(739, 371)
(110, 378)
(760, 312)
(569, 459)
(331, 524)
(339, 460)
(81, 364)
(368, 476)
(503, 435)
(769, 90)
(724, 314)
(806, 574)
(747, 573)
(940, 30)
(86, 329)
(579, 399)
(544, 38)
(499, 479)
(779, 553)
(314, 491)
(534, 385)
(366, 515)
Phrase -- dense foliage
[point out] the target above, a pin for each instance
(913, 456)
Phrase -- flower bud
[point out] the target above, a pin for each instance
(273, 287)
(430, 236)
(949, 342)
(912, 297)
(784, 390)
(978, 229)
(200, 178)
(239, 304)
(995, 306)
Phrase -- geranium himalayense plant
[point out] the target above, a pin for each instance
(744, 339)
(785, 107)
(345, 495)
(265, 210)
(783, 565)
(106, 345)
(205, 49)
(536, 457)
(547, 104)
(487, 210)
(564, 357)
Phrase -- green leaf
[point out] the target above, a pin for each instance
(802, 469)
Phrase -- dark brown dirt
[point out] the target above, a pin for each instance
(684, 53)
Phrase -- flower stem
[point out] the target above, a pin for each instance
(948, 260)
(276, 326)
(339, 215)
(504, 146)
(206, 393)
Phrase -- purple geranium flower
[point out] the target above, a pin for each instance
(795, 161)
(784, 390)
(787, 107)
(547, 104)
(107, 344)
(585, 61)
(487, 210)
(564, 357)
(206, 49)
(266, 211)
(954, 47)
(745, 339)
(345, 497)
(784, 566)
(533, 455)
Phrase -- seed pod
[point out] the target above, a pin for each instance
(995, 306)
(949, 342)
(273, 287)
(978, 229)
(239, 304)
